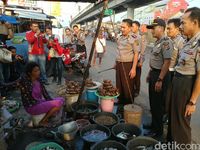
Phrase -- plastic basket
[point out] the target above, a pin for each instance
(49, 144)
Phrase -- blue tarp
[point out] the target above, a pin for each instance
(9, 19)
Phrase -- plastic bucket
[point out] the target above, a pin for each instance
(107, 105)
(133, 114)
(70, 99)
(37, 118)
(91, 96)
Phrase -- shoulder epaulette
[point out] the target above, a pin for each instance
(134, 36)
(166, 38)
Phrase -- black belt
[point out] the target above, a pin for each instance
(156, 70)
(177, 74)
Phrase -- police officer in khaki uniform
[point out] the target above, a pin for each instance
(159, 65)
(142, 45)
(186, 81)
(126, 62)
(173, 32)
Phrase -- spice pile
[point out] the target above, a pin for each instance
(70, 87)
(73, 87)
(105, 120)
(108, 89)
(90, 83)
(95, 136)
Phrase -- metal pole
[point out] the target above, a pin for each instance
(4, 6)
(86, 72)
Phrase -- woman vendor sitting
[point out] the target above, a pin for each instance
(35, 98)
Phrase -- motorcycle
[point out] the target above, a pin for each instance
(74, 60)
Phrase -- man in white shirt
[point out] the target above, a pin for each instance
(99, 48)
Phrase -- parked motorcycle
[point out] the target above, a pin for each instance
(73, 60)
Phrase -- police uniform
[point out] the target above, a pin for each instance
(182, 85)
(178, 43)
(142, 46)
(161, 51)
(124, 62)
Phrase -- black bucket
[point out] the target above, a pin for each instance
(131, 129)
(108, 144)
(80, 112)
(141, 142)
(114, 117)
(95, 127)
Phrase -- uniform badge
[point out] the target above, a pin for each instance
(134, 36)
(165, 45)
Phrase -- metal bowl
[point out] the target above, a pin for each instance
(68, 130)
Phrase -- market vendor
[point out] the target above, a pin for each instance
(35, 98)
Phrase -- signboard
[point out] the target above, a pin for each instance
(55, 9)
(108, 12)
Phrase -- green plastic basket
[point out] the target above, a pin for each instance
(106, 97)
(49, 144)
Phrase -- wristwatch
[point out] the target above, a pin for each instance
(191, 103)
(159, 80)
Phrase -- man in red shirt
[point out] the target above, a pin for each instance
(36, 51)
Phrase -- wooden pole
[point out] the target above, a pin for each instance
(86, 72)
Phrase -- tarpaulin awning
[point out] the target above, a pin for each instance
(31, 15)
(9, 19)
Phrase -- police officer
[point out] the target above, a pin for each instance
(173, 32)
(159, 65)
(126, 61)
(186, 81)
(142, 45)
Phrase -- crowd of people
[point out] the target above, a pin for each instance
(31, 75)
(174, 71)
(174, 76)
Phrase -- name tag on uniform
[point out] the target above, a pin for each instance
(193, 44)
(158, 46)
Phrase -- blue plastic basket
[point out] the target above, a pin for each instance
(49, 144)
